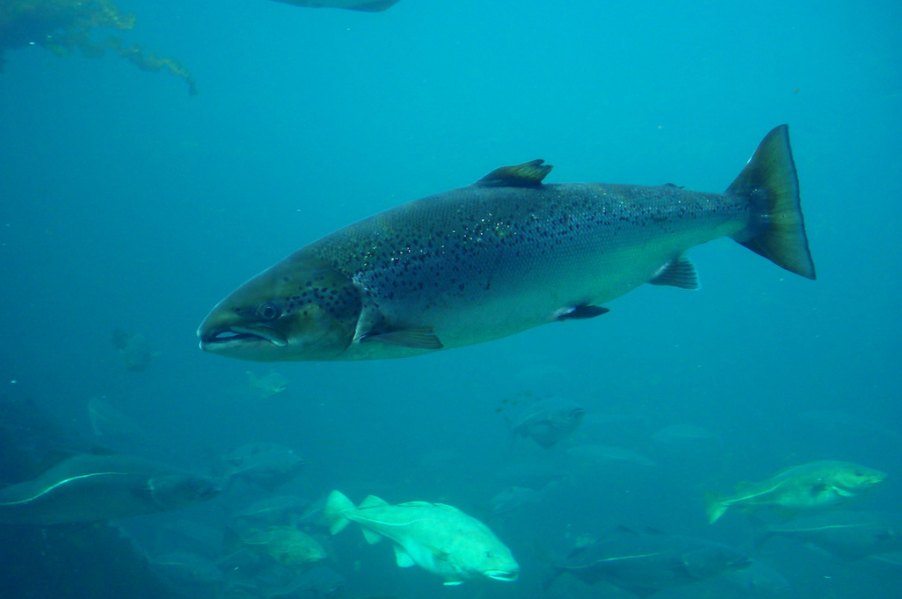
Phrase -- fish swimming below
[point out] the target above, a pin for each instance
(501, 256)
(805, 487)
(545, 420)
(93, 488)
(437, 537)
(644, 563)
(846, 534)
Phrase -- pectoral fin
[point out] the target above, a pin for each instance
(402, 558)
(417, 338)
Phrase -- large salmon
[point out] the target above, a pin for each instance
(505, 254)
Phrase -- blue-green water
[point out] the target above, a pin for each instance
(126, 203)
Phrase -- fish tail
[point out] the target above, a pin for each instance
(337, 506)
(776, 229)
(716, 507)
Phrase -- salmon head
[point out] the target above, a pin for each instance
(300, 309)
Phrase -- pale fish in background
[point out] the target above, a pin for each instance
(270, 384)
(134, 350)
(113, 427)
(805, 487)
(439, 538)
(545, 420)
(268, 465)
(271, 510)
(514, 498)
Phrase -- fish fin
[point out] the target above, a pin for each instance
(716, 507)
(679, 272)
(528, 174)
(843, 492)
(372, 501)
(453, 583)
(371, 537)
(622, 528)
(771, 186)
(335, 510)
(580, 312)
(402, 558)
(417, 337)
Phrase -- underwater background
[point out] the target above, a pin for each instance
(128, 205)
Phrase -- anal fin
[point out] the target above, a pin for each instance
(679, 272)
(580, 312)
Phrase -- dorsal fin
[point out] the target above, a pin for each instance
(528, 174)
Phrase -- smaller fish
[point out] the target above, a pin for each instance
(514, 498)
(93, 488)
(644, 563)
(361, 5)
(807, 486)
(113, 427)
(439, 538)
(287, 545)
(134, 350)
(266, 465)
(266, 386)
(848, 535)
(272, 510)
(545, 420)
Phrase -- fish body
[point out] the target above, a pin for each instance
(437, 537)
(807, 486)
(268, 465)
(266, 386)
(361, 5)
(91, 488)
(503, 255)
(286, 544)
(514, 498)
(644, 563)
(845, 534)
(546, 421)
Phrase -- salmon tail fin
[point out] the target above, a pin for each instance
(715, 507)
(335, 511)
(770, 184)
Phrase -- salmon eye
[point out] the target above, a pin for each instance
(268, 311)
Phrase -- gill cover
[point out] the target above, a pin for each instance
(299, 309)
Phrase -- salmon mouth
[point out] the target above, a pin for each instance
(238, 336)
